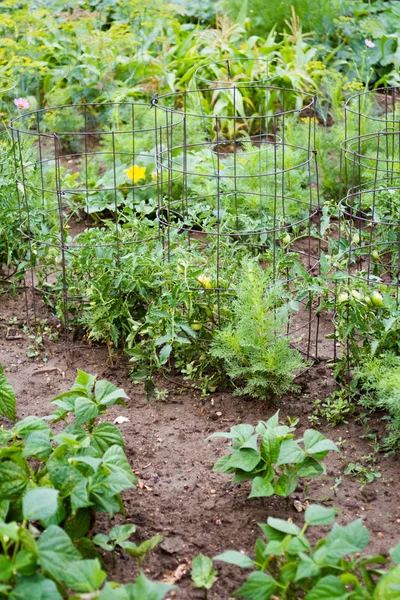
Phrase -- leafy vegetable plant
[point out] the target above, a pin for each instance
(48, 566)
(203, 575)
(66, 477)
(271, 457)
(289, 567)
(119, 536)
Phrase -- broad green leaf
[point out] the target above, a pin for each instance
(319, 515)
(273, 421)
(79, 495)
(354, 533)
(283, 526)
(56, 551)
(388, 587)
(286, 484)
(114, 460)
(84, 576)
(297, 545)
(242, 432)
(203, 575)
(260, 487)
(7, 398)
(84, 380)
(94, 463)
(222, 464)
(245, 459)
(106, 435)
(310, 468)
(144, 589)
(290, 453)
(85, 410)
(233, 557)
(13, 480)
(40, 503)
(30, 424)
(10, 530)
(38, 445)
(328, 588)
(165, 353)
(317, 445)
(269, 448)
(103, 540)
(107, 393)
(28, 542)
(77, 525)
(4, 508)
(63, 475)
(111, 485)
(306, 567)
(36, 587)
(6, 568)
(119, 533)
(258, 586)
(25, 563)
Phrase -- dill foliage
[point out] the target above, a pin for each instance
(253, 348)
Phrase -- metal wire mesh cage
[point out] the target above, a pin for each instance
(87, 180)
(235, 177)
(370, 232)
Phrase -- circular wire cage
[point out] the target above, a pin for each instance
(372, 119)
(236, 178)
(369, 233)
(86, 176)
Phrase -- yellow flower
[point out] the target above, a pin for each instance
(154, 176)
(242, 47)
(135, 173)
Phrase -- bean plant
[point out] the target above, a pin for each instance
(271, 458)
(287, 565)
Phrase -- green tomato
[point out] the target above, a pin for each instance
(356, 238)
(287, 239)
(196, 326)
(377, 299)
(356, 295)
(343, 297)
(375, 255)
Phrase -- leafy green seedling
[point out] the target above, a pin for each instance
(203, 575)
(119, 536)
(288, 566)
(271, 458)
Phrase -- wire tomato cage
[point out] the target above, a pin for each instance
(87, 191)
(369, 232)
(237, 175)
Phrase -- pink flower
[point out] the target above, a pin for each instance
(369, 44)
(21, 103)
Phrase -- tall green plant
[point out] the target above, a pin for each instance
(253, 348)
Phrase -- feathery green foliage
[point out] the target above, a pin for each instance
(252, 347)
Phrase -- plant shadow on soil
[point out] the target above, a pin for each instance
(178, 495)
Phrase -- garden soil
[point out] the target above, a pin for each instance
(178, 495)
